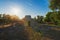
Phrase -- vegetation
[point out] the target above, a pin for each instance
(55, 5)
(39, 19)
(7, 19)
(53, 17)
(18, 31)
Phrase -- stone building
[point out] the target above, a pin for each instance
(28, 21)
(28, 18)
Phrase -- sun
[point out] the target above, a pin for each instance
(15, 11)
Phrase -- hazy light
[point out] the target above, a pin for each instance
(15, 11)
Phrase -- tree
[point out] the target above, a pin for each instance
(51, 17)
(40, 19)
(55, 5)
(47, 18)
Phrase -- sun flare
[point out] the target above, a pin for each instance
(15, 11)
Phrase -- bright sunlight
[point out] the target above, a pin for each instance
(15, 11)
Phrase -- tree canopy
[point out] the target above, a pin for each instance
(55, 5)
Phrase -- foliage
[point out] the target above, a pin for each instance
(55, 4)
(39, 19)
(53, 16)
(19, 32)
(47, 18)
(6, 19)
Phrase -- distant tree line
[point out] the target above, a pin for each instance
(6, 19)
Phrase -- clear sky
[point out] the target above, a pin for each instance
(24, 7)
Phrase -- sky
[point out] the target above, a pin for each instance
(24, 7)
